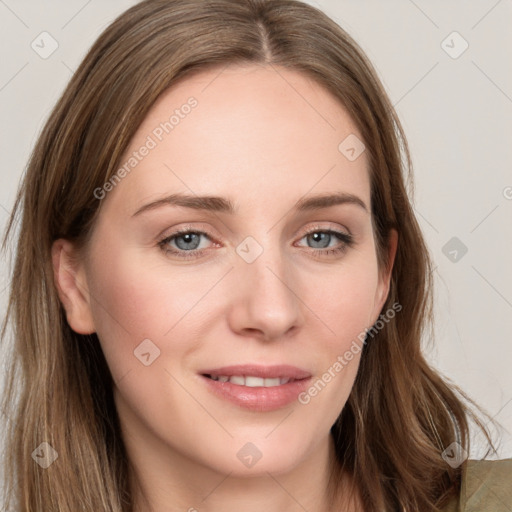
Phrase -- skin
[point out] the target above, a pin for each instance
(264, 140)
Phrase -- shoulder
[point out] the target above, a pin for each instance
(486, 485)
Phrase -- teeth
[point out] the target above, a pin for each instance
(251, 381)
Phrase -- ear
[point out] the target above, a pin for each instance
(70, 280)
(385, 277)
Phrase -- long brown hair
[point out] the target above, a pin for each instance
(401, 414)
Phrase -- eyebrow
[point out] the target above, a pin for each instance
(224, 205)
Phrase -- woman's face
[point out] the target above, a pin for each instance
(266, 291)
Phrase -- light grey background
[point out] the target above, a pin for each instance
(457, 116)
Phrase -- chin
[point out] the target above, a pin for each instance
(258, 457)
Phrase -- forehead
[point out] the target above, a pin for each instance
(250, 130)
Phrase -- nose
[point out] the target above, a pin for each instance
(266, 302)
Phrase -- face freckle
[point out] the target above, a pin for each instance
(265, 291)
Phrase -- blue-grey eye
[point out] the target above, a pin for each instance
(320, 237)
(190, 240)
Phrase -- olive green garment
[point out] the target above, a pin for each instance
(486, 487)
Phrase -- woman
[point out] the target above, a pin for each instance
(220, 286)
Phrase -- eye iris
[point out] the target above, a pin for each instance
(189, 239)
(317, 237)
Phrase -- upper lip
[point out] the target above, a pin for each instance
(265, 372)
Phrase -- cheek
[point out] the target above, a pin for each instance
(135, 297)
(344, 303)
(344, 296)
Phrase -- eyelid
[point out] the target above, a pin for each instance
(185, 229)
(345, 237)
(321, 227)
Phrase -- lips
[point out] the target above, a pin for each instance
(257, 388)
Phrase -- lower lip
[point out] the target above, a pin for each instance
(260, 399)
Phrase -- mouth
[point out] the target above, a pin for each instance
(257, 388)
(251, 381)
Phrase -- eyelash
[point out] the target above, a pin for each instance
(346, 239)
